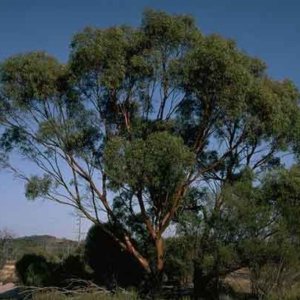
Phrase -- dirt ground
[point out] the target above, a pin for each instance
(6, 287)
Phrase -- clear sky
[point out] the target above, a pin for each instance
(269, 29)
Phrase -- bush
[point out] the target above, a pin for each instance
(179, 260)
(276, 281)
(34, 270)
(112, 266)
(72, 267)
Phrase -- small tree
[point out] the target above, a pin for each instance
(256, 227)
(5, 245)
(138, 118)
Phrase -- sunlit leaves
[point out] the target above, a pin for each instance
(166, 32)
(100, 53)
(29, 77)
(158, 163)
(37, 186)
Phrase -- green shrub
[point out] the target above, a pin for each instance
(34, 270)
(72, 267)
(111, 265)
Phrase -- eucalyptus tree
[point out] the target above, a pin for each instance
(139, 117)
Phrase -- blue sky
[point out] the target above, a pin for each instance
(268, 29)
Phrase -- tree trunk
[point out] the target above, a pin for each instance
(153, 286)
(159, 244)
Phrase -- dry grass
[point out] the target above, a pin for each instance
(82, 290)
(293, 293)
(87, 296)
(239, 281)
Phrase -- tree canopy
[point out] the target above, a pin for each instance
(142, 121)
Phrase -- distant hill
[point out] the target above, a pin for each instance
(46, 245)
(38, 237)
(44, 239)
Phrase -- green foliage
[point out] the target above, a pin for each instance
(282, 189)
(30, 77)
(71, 267)
(179, 259)
(256, 227)
(34, 270)
(37, 270)
(110, 263)
(38, 186)
(158, 163)
(167, 31)
(101, 50)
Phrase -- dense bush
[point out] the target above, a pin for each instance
(69, 270)
(179, 260)
(110, 264)
(34, 270)
(73, 267)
